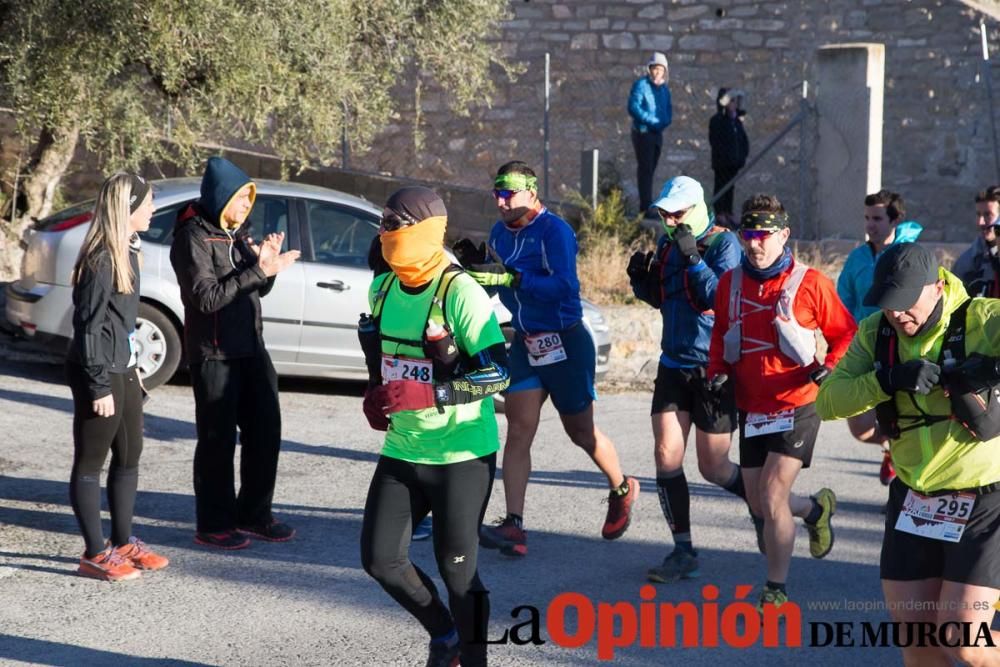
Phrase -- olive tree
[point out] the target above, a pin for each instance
(150, 80)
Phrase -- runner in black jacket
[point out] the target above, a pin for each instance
(107, 391)
(222, 275)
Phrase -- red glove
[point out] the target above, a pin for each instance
(408, 395)
(375, 400)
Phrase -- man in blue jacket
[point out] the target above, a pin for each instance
(651, 112)
(884, 227)
(680, 279)
(552, 355)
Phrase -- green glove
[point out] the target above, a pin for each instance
(494, 275)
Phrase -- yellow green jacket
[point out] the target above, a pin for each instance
(929, 458)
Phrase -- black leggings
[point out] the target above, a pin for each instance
(93, 436)
(400, 496)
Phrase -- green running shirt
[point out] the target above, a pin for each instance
(462, 432)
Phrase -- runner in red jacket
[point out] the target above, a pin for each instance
(767, 313)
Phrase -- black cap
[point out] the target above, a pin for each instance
(901, 274)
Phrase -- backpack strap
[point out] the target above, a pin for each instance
(887, 355)
(736, 281)
(437, 311)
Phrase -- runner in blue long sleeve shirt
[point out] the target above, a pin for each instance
(534, 269)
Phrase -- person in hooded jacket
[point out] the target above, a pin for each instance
(102, 371)
(222, 274)
(730, 149)
(436, 356)
(884, 227)
(680, 279)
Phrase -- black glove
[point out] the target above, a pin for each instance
(686, 244)
(978, 368)
(820, 374)
(468, 253)
(918, 376)
(637, 265)
(714, 385)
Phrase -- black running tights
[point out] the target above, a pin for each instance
(93, 436)
(400, 496)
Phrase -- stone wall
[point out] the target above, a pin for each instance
(936, 139)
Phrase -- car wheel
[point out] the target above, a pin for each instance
(158, 346)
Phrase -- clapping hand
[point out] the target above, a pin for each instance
(270, 258)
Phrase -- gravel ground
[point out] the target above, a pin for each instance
(307, 602)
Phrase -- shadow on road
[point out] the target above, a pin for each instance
(42, 652)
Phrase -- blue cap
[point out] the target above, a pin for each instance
(680, 193)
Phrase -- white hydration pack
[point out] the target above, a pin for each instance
(794, 341)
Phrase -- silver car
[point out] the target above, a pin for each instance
(310, 317)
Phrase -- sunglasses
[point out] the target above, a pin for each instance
(757, 234)
(505, 194)
(667, 216)
(392, 222)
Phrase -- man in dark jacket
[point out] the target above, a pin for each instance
(222, 275)
(979, 266)
(730, 148)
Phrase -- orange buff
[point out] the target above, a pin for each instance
(416, 252)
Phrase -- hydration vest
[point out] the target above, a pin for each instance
(977, 408)
(436, 313)
(704, 245)
(794, 341)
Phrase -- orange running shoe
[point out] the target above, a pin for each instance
(140, 555)
(107, 566)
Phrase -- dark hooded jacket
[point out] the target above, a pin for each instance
(220, 281)
(727, 137)
(103, 321)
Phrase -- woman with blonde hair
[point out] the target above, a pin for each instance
(103, 376)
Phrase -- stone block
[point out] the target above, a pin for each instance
(651, 12)
(698, 43)
(744, 38)
(555, 36)
(599, 24)
(764, 24)
(561, 12)
(586, 41)
(686, 13)
(720, 24)
(620, 40)
(656, 42)
(857, 19)
(778, 43)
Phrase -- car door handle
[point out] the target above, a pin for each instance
(336, 285)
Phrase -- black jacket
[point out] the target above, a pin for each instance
(221, 285)
(103, 320)
(730, 145)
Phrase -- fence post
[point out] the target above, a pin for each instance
(545, 133)
(589, 175)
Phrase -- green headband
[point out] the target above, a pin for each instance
(516, 182)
